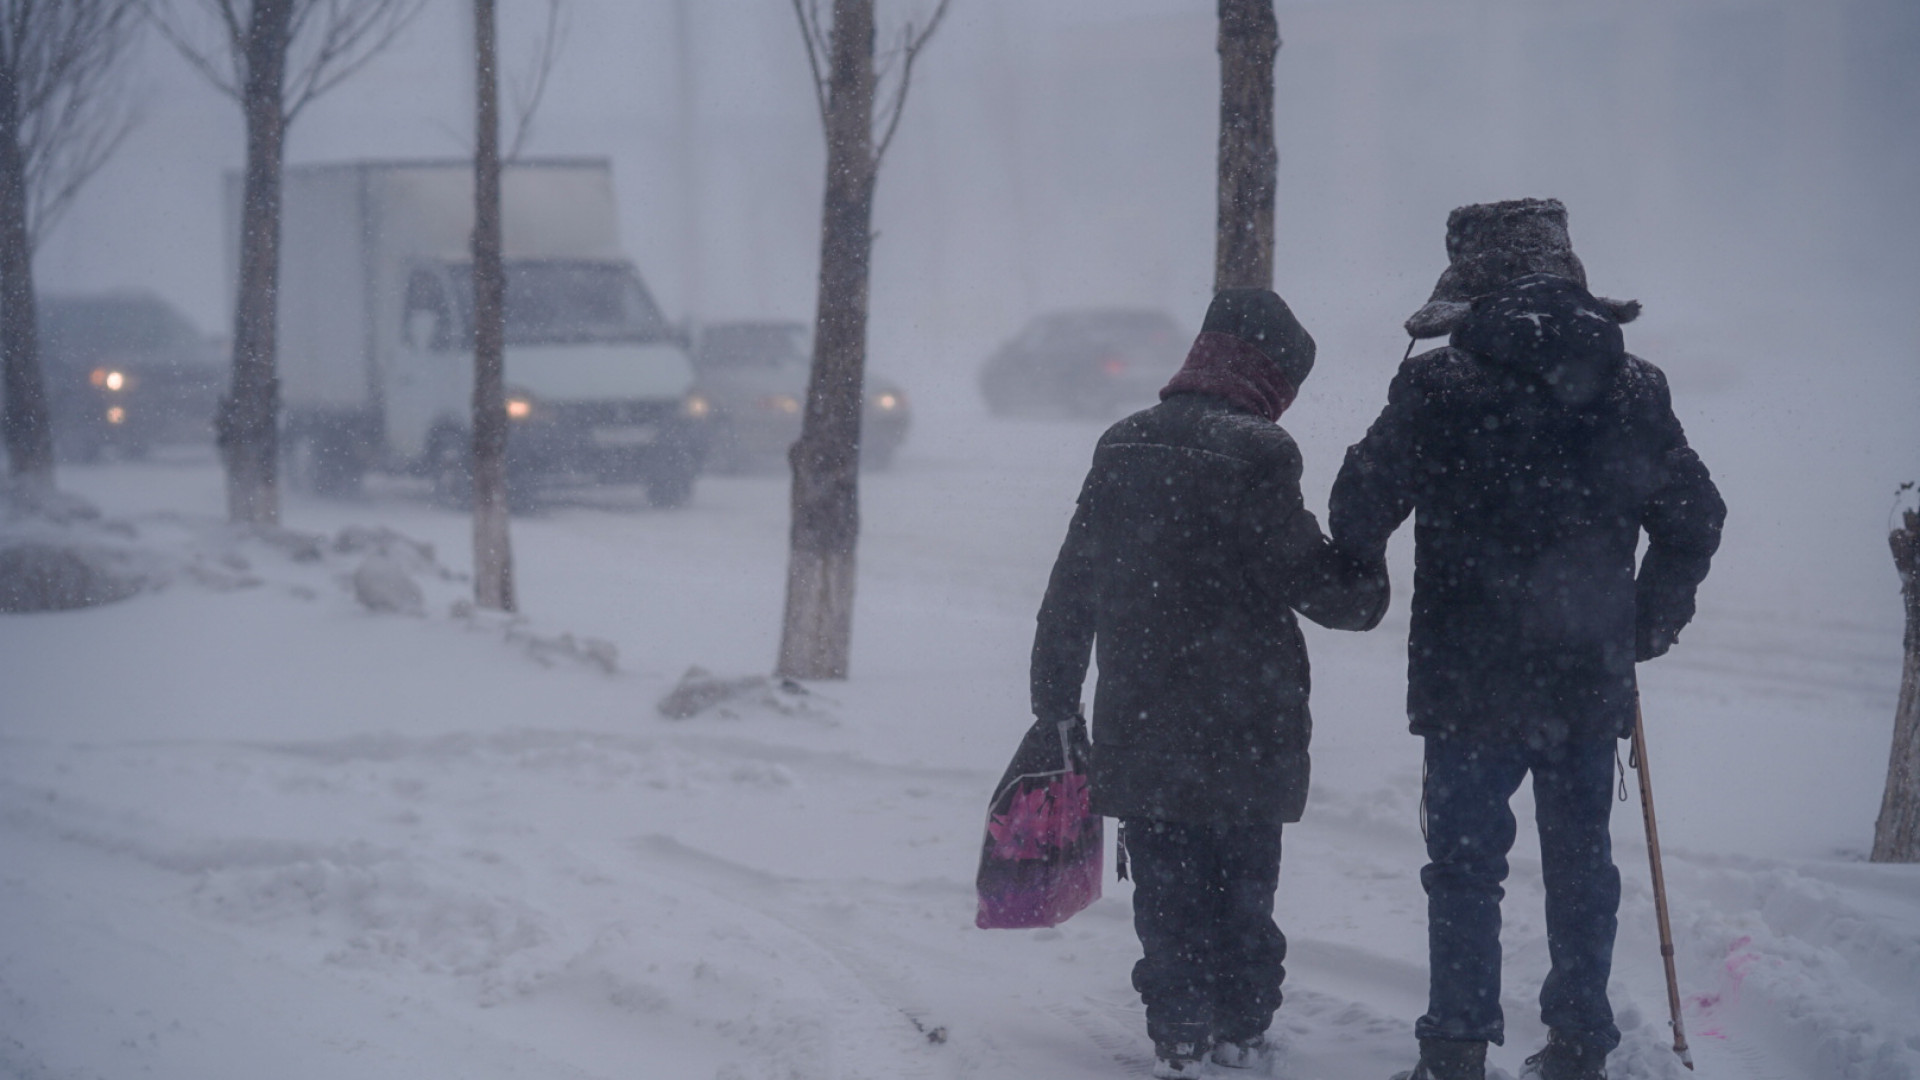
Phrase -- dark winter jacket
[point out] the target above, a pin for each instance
(1188, 554)
(1533, 450)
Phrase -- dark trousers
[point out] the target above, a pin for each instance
(1203, 907)
(1470, 828)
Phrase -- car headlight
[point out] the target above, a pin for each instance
(888, 401)
(110, 379)
(697, 407)
(785, 403)
(519, 407)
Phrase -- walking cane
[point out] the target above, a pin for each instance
(1659, 882)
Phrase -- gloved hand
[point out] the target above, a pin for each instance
(1651, 641)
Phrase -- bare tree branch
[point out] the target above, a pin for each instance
(527, 101)
(63, 61)
(61, 114)
(352, 33)
(815, 38)
(328, 41)
(197, 56)
(910, 46)
(57, 174)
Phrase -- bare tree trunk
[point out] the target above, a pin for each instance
(817, 633)
(1896, 836)
(1249, 164)
(247, 421)
(29, 433)
(492, 548)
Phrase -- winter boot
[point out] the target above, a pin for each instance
(1446, 1059)
(1255, 1053)
(1180, 1061)
(1567, 1058)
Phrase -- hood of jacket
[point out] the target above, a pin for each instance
(1548, 327)
(1261, 319)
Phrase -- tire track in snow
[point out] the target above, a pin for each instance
(877, 1031)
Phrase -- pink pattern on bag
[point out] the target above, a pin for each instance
(1041, 820)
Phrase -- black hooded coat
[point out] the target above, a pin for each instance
(1533, 450)
(1188, 554)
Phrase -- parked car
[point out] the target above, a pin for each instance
(753, 383)
(1091, 362)
(124, 372)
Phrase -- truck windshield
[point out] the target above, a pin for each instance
(562, 301)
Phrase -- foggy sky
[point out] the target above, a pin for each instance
(1063, 152)
(1745, 167)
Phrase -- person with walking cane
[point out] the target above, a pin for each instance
(1533, 450)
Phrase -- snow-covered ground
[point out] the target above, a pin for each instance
(250, 829)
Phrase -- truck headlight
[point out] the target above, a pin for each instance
(697, 407)
(887, 401)
(519, 407)
(109, 379)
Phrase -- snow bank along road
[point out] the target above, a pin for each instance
(249, 829)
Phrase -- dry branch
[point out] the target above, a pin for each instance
(273, 57)
(62, 114)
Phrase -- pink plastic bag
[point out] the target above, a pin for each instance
(1040, 862)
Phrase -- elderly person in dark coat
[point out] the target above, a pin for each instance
(1187, 557)
(1533, 451)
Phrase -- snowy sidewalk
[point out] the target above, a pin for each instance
(251, 829)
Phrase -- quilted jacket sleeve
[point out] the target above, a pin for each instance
(1375, 490)
(1063, 638)
(1683, 517)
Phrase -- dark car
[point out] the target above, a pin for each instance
(1095, 362)
(125, 372)
(752, 384)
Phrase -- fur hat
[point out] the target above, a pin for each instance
(1490, 244)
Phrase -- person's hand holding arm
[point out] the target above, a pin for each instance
(1303, 569)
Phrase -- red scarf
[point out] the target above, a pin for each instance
(1226, 367)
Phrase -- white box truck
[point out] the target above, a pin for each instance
(376, 331)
